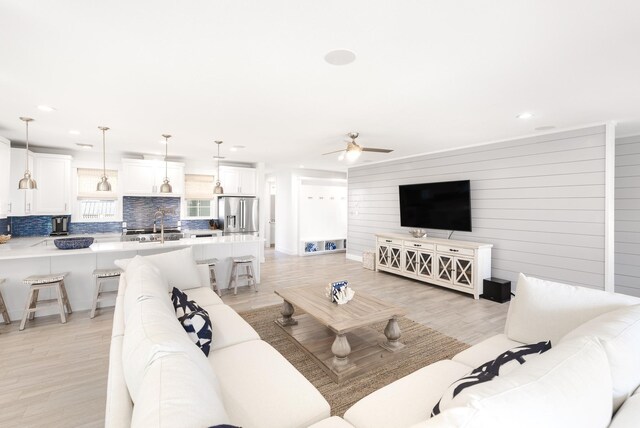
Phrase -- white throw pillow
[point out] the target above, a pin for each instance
(179, 268)
(152, 332)
(568, 386)
(143, 280)
(619, 332)
(173, 393)
(546, 310)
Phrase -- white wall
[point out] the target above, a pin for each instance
(539, 200)
(627, 229)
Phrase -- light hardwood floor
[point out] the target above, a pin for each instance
(55, 375)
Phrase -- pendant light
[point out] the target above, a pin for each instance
(104, 185)
(27, 183)
(218, 190)
(166, 187)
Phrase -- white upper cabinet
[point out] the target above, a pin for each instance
(144, 177)
(53, 174)
(5, 166)
(237, 180)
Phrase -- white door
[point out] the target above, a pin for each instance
(176, 177)
(230, 179)
(139, 177)
(53, 176)
(5, 165)
(247, 182)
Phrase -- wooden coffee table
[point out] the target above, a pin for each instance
(340, 337)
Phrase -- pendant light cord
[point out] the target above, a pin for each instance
(104, 161)
(166, 152)
(26, 155)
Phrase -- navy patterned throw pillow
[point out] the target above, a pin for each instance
(502, 365)
(194, 320)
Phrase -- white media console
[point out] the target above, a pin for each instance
(460, 265)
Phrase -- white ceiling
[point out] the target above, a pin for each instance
(429, 75)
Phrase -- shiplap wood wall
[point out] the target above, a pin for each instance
(627, 235)
(539, 200)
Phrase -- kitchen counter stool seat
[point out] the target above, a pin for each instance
(3, 308)
(238, 263)
(102, 275)
(212, 273)
(40, 282)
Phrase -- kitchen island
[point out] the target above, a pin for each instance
(22, 257)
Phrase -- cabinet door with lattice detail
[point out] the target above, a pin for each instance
(445, 268)
(395, 258)
(425, 265)
(410, 261)
(383, 255)
(463, 273)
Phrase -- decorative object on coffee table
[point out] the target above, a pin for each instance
(340, 292)
(357, 347)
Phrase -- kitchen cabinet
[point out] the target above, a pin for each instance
(53, 173)
(144, 177)
(5, 167)
(20, 201)
(238, 180)
(459, 265)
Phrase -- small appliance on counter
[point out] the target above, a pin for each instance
(59, 225)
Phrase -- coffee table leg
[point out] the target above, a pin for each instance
(287, 312)
(392, 332)
(341, 350)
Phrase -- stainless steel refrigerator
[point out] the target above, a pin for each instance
(238, 214)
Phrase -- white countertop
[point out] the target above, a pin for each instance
(20, 248)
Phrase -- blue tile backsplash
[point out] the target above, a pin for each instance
(90, 228)
(3, 226)
(138, 211)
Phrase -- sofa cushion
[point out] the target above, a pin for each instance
(629, 414)
(177, 267)
(228, 328)
(503, 364)
(566, 386)
(173, 393)
(619, 331)
(256, 380)
(332, 422)
(204, 296)
(144, 280)
(152, 331)
(546, 310)
(198, 327)
(119, 405)
(485, 350)
(408, 400)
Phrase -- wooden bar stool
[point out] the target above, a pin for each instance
(247, 263)
(212, 274)
(102, 275)
(3, 308)
(41, 282)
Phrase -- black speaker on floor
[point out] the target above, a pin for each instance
(496, 289)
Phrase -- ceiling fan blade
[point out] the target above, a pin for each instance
(330, 153)
(371, 149)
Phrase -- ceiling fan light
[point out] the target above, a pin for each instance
(352, 155)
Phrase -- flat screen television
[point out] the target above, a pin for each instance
(445, 205)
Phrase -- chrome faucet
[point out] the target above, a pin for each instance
(161, 212)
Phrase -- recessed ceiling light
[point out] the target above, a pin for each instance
(45, 108)
(236, 148)
(85, 146)
(525, 115)
(340, 57)
(74, 132)
(545, 128)
(301, 166)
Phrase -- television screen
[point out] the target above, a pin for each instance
(445, 205)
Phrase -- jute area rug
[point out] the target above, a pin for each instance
(423, 347)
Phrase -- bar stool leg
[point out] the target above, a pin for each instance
(26, 310)
(5, 314)
(65, 297)
(34, 301)
(235, 289)
(214, 280)
(96, 294)
(59, 288)
(251, 279)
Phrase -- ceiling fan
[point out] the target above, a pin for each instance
(354, 150)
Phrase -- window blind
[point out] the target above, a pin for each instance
(198, 187)
(88, 180)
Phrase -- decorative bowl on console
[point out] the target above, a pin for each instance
(73, 243)
(418, 233)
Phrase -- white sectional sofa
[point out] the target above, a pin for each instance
(159, 378)
(589, 378)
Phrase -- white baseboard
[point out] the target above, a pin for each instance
(354, 257)
(287, 251)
